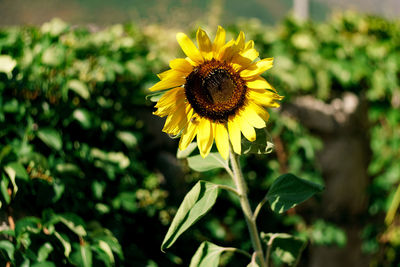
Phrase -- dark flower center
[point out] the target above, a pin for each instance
(215, 90)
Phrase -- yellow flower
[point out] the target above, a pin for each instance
(216, 92)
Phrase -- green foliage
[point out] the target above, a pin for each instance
(288, 190)
(70, 161)
(323, 233)
(212, 161)
(284, 248)
(196, 204)
(350, 53)
(262, 145)
(207, 255)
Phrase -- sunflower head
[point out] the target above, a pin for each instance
(215, 93)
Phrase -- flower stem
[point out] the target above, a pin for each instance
(228, 188)
(241, 188)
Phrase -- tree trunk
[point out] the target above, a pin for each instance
(343, 127)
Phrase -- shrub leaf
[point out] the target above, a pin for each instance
(288, 190)
(207, 255)
(195, 205)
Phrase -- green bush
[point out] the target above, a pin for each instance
(73, 176)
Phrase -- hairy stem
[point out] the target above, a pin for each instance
(238, 251)
(228, 188)
(258, 208)
(241, 188)
(269, 247)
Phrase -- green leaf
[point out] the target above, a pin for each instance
(73, 222)
(83, 117)
(44, 251)
(253, 264)
(261, 145)
(181, 154)
(8, 247)
(4, 188)
(7, 232)
(128, 138)
(69, 169)
(44, 264)
(79, 87)
(118, 158)
(65, 242)
(7, 64)
(11, 106)
(100, 234)
(50, 137)
(288, 190)
(207, 255)
(285, 248)
(154, 97)
(82, 255)
(54, 27)
(195, 205)
(212, 161)
(53, 56)
(27, 224)
(20, 171)
(107, 249)
(5, 151)
(12, 174)
(126, 201)
(327, 234)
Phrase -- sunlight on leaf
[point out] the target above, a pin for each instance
(212, 161)
(207, 255)
(195, 205)
(287, 191)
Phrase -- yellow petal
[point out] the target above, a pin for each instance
(260, 111)
(247, 130)
(164, 74)
(172, 80)
(189, 133)
(257, 68)
(245, 57)
(219, 40)
(258, 83)
(251, 54)
(240, 63)
(240, 41)
(253, 118)
(222, 139)
(264, 97)
(191, 62)
(205, 137)
(182, 65)
(234, 135)
(176, 121)
(204, 44)
(189, 48)
(168, 108)
(169, 101)
(227, 51)
(171, 96)
(249, 45)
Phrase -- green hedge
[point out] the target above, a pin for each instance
(70, 156)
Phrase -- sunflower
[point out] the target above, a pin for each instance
(216, 92)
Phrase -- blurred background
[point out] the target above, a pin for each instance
(178, 12)
(87, 178)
